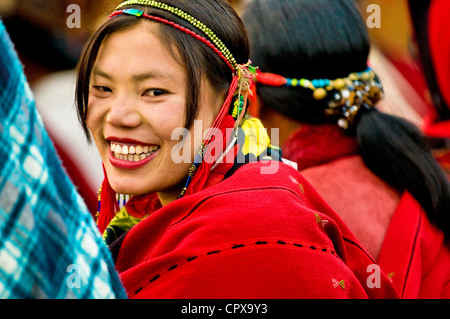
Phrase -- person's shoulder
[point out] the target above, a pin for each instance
(257, 175)
(274, 182)
(263, 204)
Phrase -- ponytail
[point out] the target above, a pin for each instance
(396, 151)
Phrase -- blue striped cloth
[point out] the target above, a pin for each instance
(49, 244)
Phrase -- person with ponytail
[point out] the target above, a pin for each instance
(315, 85)
(211, 210)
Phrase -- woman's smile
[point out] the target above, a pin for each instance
(131, 156)
(132, 152)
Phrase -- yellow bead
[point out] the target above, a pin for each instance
(365, 76)
(320, 93)
(339, 84)
(353, 76)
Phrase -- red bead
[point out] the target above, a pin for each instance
(270, 79)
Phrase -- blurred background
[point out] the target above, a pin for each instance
(49, 37)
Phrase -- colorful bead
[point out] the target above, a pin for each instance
(320, 93)
(238, 106)
(134, 12)
(306, 84)
(343, 123)
(353, 76)
(271, 79)
(339, 84)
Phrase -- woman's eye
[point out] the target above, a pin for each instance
(154, 92)
(101, 88)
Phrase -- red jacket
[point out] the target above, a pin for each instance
(252, 235)
(391, 226)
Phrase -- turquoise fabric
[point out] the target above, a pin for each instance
(50, 246)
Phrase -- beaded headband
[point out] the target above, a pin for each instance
(244, 72)
(346, 96)
(319, 86)
(139, 13)
(193, 21)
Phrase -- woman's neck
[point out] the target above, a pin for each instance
(167, 197)
(272, 119)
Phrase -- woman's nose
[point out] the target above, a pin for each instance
(123, 113)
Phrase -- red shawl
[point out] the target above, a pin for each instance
(252, 235)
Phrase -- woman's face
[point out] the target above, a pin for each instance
(137, 99)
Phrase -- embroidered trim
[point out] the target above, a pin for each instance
(338, 283)
(285, 243)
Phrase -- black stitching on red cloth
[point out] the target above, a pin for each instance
(173, 267)
(236, 246)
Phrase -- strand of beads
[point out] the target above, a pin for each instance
(321, 87)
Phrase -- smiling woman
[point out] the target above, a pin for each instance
(204, 227)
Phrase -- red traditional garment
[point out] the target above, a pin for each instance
(252, 235)
(391, 226)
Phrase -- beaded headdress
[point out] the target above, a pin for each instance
(344, 97)
(229, 115)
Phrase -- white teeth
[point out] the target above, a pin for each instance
(132, 153)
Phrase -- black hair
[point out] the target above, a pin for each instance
(328, 39)
(197, 58)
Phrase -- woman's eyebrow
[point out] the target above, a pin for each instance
(150, 74)
(139, 77)
(97, 71)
